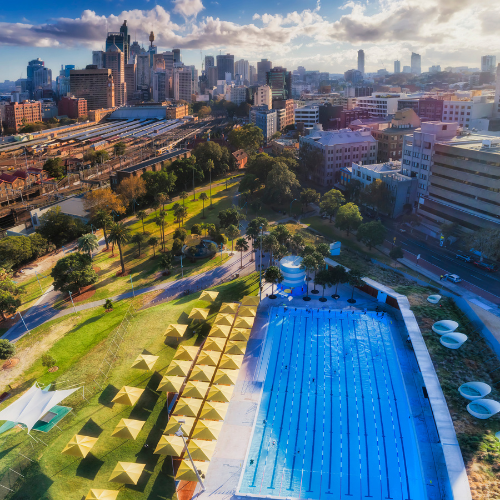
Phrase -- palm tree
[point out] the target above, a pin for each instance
(120, 234)
(153, 241)
(203, 197)
(270, 244)
(322, 278)
(180, 213)
(88, 243)
(231, 232)
(320, 264)
(160, 222)
(138, 239)
(297, 242)
(338, 274)
(274, 276)
(210, 166)
(241, 246)
(103, 219)
(141, 215)
(354, 279)
(162, 199)
(183, 196)
(309, 264)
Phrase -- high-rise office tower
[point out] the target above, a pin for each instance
(33, 65)
(416, 63)
(177, 55)
(263, 66)
(136, 49)
(361, 61)
(242, 68)
(252, 74)
(115, 61)
(126, 41)
(182, 84)
(152, 49)
(42, 78)
(489, 64)
(209, 62)
(168, 57)
(280, 81)
(143, 72)
(212, 76)
(160, 86)
(225, 64)
(95, 85)
(397, 67)
(98, 57)
(121, 39)
(130, 75)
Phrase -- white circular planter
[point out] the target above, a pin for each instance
(483, 408)
(433, 299)
(444, 326)
(474, 390)
(453, 340)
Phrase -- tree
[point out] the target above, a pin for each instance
(308, 196)
(311, 159)
(138, 239)
(249, 137)
(396, 253)
(210, 167)
(119, 148)
(204, 112)
(209, 228)
(161, 223)
(166, 261)
(255, 225)
(256, 205)
(377, 196)
(348, 218)
(449, 229)
(8, 303)
(220, 156)
(232, 232)
(181, 234)
(282, 234)
(48, 361)
(228, 217)
(103, 199)
(250, 183)
(162, 199)
(309, 264)
(371, 233)
(297, 242)
(486, 242)
(353, 190)
(120, 234)
(153, 241)
(196, 229)
(212, 248)
(331, 202)
(354, 279)
(55, 168)
(280, 183)
(241, 246)
(177, 246)
(96, 157)
(7, 349)
(203, 197)
(15, 250)
(108, 305)
(322, 278)
(88, 243)
(131, 189)
(183, 196)
(60, 228)
(191, 252)
(141, 215)
(323, 249)
(274, 276)
(180, 214)
(185, 169)
(270, 244)
(102, 219)
(158, 182)
(73, 272)
(338, 274)
(307, 250)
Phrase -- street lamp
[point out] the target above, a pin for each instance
(179, 433)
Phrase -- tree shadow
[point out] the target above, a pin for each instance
(8, 450)
(164, 485)
(90, 429)
(89, 467)
(34, 485)
(145, 406)
(107, 396)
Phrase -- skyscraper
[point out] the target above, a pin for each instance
(143, 72)
(136, 49)
(242, 68)
(361, 61)
(95, 85)
(33, 65)
(115, 61)
(152, 49)
(209, 62)
(177, 55)
(280, 81)
(212, 76)
(130, 75)
(488, 64)
(182, 84)
(263, 66)
(42, 78)
(126, 41)
(416, 63)
(225, 64)
(121, 39)
(98, 58)
(397, 67)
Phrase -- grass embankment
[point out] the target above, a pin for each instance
(79, 353)
(472, 362)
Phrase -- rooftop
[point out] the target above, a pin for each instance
(342, 136)
(475, 142)
(390, 166)
(154, 161)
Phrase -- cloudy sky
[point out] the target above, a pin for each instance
(318, 34)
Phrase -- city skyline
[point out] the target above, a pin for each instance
(321, 37)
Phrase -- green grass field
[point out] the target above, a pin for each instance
(79, 354)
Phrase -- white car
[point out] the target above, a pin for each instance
(453, 277)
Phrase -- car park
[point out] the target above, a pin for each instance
(463, 256)
(485, 266)
(453, 278)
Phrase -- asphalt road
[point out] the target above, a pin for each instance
(445, 259)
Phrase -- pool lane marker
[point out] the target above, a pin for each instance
(344, 352)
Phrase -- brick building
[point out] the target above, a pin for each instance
(19, 114)
(176, 112)
(72, 107)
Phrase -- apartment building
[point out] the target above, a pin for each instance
(176, 112)
(266, 119)
(263, 96)
(72, 107)
(308, 115)
(183, 84)
(340, 148)
(288, 107)
(19, 114)
(380, 104)
(469, 113)
(428, 108)
(94, 85)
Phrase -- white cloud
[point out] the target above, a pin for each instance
(188, 8)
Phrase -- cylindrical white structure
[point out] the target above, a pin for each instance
(483, 408)
(453, 340)
(474, 390)
(295, 277)
(444, 326)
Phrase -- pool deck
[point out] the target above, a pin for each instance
(226, 467)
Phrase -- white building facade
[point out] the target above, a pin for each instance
(308, 115)
(380, 105)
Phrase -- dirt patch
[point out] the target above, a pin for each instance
(97, 269)
(10, 363)
(53, 369)
(119, 274)
(86, 293)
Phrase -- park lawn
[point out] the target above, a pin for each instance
(31, 290)
(54, 475)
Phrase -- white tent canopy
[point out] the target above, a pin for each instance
(33, 405)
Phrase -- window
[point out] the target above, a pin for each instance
(368, 178)
(358, 173)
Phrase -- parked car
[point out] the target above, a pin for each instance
(463, 256)
(484, 265)
(453, 277)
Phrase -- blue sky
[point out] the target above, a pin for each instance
(322, 35)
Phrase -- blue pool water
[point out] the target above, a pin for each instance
(334, 420)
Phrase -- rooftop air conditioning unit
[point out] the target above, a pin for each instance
(486, 143)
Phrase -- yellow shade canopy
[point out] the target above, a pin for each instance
(236, 347)
(229, 307)
(185, 472)
(240, 334)
(220, 393)
(170, 384)
(214, 344)
(195, 389)
(128, 428)
(178, 368)
(208, 296)
(94, 494)
(219, 331)
(198, 313)
(144, 362)
(203, 373)
(226, 377)
(209, 358)
(244, 322)
(79, 446)
(250, 300)
(208, 430)
(186, 353)
(188, 407)
(175, 330)
(201, 450)
(231, 361)
(224, 319)
(128, 395)
(247, 312)
(212, 410)
(173, 425)
(170, 445)
(126, 473)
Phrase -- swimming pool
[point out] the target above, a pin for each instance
(334, 419)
